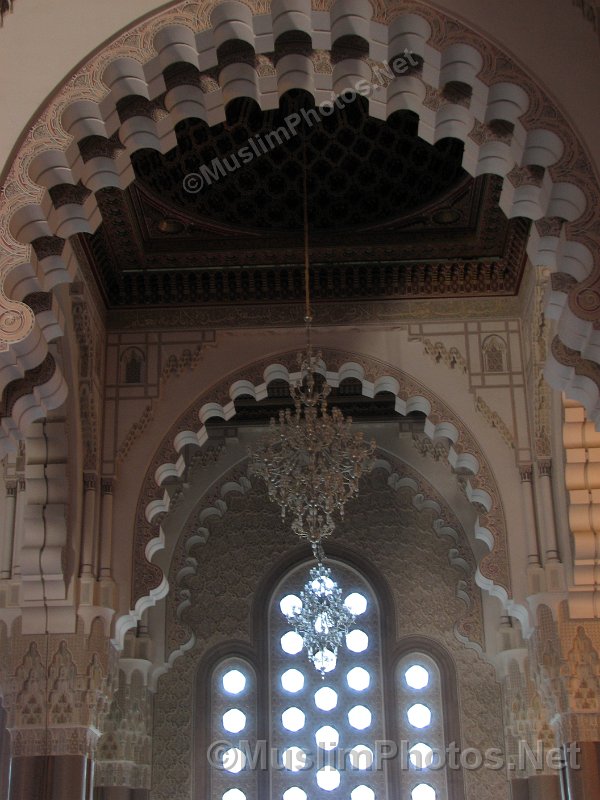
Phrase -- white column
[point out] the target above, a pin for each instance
(88, 520)
(16, 553)
(6, 556)
(106, 521)
(533, 553)
(547, 505)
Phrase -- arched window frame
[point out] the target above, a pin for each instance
(393, 650)
(411, 648)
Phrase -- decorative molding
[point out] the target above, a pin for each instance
(451, 358)
(533, 125)
(57, 691)
(495, 420)
(124, 753)
(136, 430)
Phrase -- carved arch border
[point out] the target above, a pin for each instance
(400, 476)
(186, 441)
(119, 101)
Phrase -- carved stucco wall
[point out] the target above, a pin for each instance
(412, 557)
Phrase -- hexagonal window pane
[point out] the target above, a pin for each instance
(356, 603)
(358, 679)
(359, 717)
(291, 642)
(328, 778)
(234, 720)
(327, 737)
(362, 793)
(290, 604)
(417, 677)
(325, 660)
(294, 759)
(234, 760)
(357, 641)
(292, 681)
(293, 719)
(421, 755)
(234, 794)
(234, 681)
(423, 792)
(419, 715)
(295, 793)
(361, 757)
(326, 698)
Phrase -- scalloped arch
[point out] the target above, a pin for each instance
(120, 96)
(185, 442)
(399, 476)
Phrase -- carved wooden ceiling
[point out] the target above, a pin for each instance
(390, 216)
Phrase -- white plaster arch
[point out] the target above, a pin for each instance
(188, 443)
(242, 485)
(126, 70)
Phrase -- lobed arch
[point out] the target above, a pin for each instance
(192, 59)
(188, 442)
(399, 477)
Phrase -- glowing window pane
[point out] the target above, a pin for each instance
(421, 755)
(362, 793)
(292, 681)
(295, 793)
(423, 792)
(326, 698)
(325, 660)
(356, 603)
(293, 719)
(234, 794)
(357, 641)
(361, 757)
(419, 715)
(234, 681)
(416, 677)
(358, 679)
(327, 737)
(291, 642)
(359, 717)
(290, 604)
(328, 778)
(294, 759)
(234, 760)
(234, 720)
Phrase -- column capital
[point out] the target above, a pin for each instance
(90, 481)
(526, 472)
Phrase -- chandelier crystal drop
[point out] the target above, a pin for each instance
(322, 619)
(311, 460)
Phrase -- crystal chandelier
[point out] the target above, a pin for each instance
(312, 461)
(322, 619)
